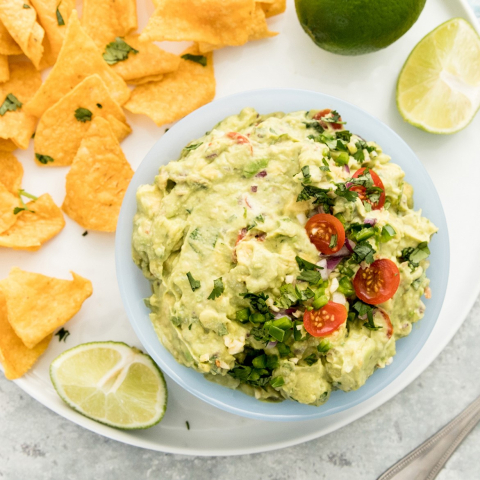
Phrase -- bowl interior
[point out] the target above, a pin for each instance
(134, 287)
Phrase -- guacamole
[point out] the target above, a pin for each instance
(284, 254)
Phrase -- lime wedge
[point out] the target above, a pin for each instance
(438, 89)
(111, 383)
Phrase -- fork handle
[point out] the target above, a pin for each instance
(426, 461)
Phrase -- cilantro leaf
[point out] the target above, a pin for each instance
(306, 173)
(202, 60)
(60, 20)
(319, 194)
(83, 115)
(341, 146)
(363, 252)
(311, 359)
(343, 191)
(365, 309)
(325, 167)
(44, 159)
(117, 51)
(305, 265)
(344, 135)
(335, 118)
(218, 289)
(257, 301)
(415, 255)
(10, 104)
(333, 241)
(194, 284)
(193, 147)
(316, 125)
(288, 296)
(313, 277)
(62, 334)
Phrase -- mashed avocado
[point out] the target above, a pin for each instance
(221, 236)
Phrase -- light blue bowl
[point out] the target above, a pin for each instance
(134, 287)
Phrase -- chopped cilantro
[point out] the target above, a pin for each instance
(26, 6)
(218, 289)
(23, 193)
(117, 51)
(363, 252)
(99, 105)
(365, 309)
(325, 167)
(83, 115)
(311, 276)
(388, 232)
(60, 20)
(62, 334)
(277, 382)
(85, 233)
(201, 59)
(341, 146)
(188, 425)
(260, 334)
(333, 241)
(195, 234)
(257, 301)
(194, 284)
(343, 191)
(415, 255)
(335, 118)
(288, 296)
(305, 265)
(283, 350)
(44, 159)
(193, 147)
(343, 135)
(324, 346)
(311, 359)
(259, 218)
(319, 194)
(306, 173)
(10, 104)
(316, 125)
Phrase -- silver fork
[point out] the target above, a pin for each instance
(426, 461)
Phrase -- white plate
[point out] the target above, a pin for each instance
(289, 60)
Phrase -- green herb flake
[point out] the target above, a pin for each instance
(194, 284)
(257, 301)
(311, 276)
(43, 159)
(60, 20)
(117, 51)
(388, 232)
(320, 196)
(26, 6)
(415, 255)
(193, 147)
(306, 173)
(311, 359)
(218, 289)
(200, 59)
(99, 105)
(188, 425)
(85, 233)
(305, 265)
(363, 252)
(62, 335)
(325, 167)
(343, 191)
(277, 382)
(333, 241)
(83, 115)
(10, 104)
(324, 346)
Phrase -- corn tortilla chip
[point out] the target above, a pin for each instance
(150, 62)
(8, 46)
(273, 7)
(103, 20)
(219, 22)
(259, 28)
(4, 70)
(59, 132)
(37, 305)
(52, 24)
(8, 202)
(141, 81)
(32, 230)
(23, 26)
(18, 125)
(7, 145)
(178, 94)
(97, 180)
(78, 58)
(15, 357)
(11, 172)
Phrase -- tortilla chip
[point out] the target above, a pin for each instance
(8, 202)
(219, 22)
(22, 25)
(11, 172)
(141, 81)
(104, 20)
(15, 357)
(273, 7)
(18, 125)
(54, 32)
(7, 145)
(37, 305)
(8, 46)
(259, 28)
(178, 94)
(97, 180)
(32, 230)
(59, 133)
(150, 62)
(4, 70)
(79, 58)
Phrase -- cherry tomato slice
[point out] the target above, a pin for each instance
(378, 282)
(325, 113)
(361, 190)
(320, 229)
(387, 324)
(326, 320)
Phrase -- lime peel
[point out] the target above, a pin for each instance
(111, 383)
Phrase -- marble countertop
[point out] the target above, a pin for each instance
(35, 443)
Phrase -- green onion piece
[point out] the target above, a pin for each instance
(388, 232)
(320, 302)
(257, 318)
(260, 361)
(272, 362)
(243, 315)
(283, 349)
(364, 234)
(324, 346)
(276, 333)
(277, 382)
(284, 323)
(297, 334)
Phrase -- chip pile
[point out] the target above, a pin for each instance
(76, 119)
(32, 307)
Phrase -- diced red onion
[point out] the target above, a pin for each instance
(343, 252)
(263, 173)
(350, 244)
(332, 262)
(254, 188)
(289, 311)
(370, 221)
(271, 344)
(362, 317)
(346, 168)
(348, 184)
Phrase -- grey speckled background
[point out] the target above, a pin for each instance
(37, 444)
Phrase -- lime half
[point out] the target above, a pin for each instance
(438, 89)
(111, 383)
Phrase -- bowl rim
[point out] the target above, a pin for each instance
(235, 401)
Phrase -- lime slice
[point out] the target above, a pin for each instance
(438, 89)
(111, 383)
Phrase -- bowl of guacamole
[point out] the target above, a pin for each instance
(282, 261)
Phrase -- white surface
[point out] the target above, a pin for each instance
(288, 60)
